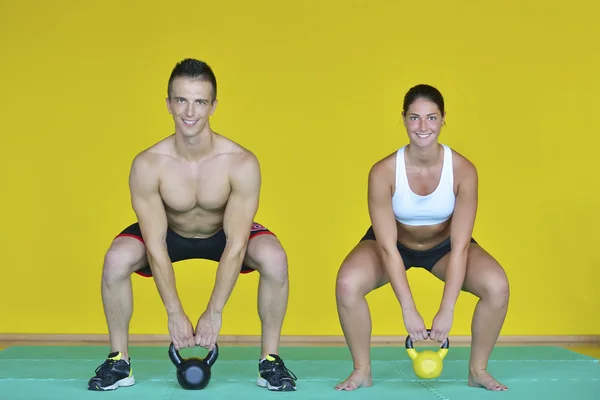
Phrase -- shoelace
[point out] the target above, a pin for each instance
(281, 371)
(103, 370)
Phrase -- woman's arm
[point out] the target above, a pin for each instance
(384, 227)
(461, 231)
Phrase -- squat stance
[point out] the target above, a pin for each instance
(422, 203)
(195, 195)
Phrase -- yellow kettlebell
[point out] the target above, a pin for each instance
(427, 364)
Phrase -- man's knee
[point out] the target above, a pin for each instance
(271, 258)
(124, 256)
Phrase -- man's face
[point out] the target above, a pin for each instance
(191, 105)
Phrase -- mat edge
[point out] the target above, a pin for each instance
(573, 340)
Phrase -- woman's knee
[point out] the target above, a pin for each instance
(359, 274)
(496, 287)
(124, 256)
(348, 284)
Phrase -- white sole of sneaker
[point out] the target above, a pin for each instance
(265, 384)
(262, 382)
(129, 381)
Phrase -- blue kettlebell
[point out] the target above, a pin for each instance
(193, 373)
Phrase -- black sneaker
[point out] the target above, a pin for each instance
(273, 375)
(113, 372)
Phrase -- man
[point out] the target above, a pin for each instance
(195, 195)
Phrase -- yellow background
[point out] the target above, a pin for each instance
(315, 89)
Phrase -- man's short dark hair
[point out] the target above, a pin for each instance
(194, 69)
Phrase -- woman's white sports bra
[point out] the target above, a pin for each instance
(434, 208)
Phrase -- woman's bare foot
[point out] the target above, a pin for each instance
(358, 378)
(484, 380)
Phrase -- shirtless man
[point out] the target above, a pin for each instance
(422, 203)
(195, 195)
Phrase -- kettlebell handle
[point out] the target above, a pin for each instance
(212, 356)
(174, 355)
(408, 343)
(177, 360)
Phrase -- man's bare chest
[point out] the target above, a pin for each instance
(183, 189)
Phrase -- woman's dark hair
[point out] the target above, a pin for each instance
(423, 91)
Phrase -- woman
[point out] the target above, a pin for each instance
(422, 204)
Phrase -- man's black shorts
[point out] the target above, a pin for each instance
(181, 248)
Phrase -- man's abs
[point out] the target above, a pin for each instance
(197, 223)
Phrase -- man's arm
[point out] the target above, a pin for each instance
(240, 211)
(148, 206)
(384, 226)
(461, 231)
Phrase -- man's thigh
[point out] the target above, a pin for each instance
(264, 248)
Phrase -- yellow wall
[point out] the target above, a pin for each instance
(315, 90)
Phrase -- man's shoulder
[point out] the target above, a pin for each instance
(238, 154)
(245, 165)
(246, 158)
(146, 165)
(152, 154)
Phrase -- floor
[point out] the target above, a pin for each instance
(62, 372)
